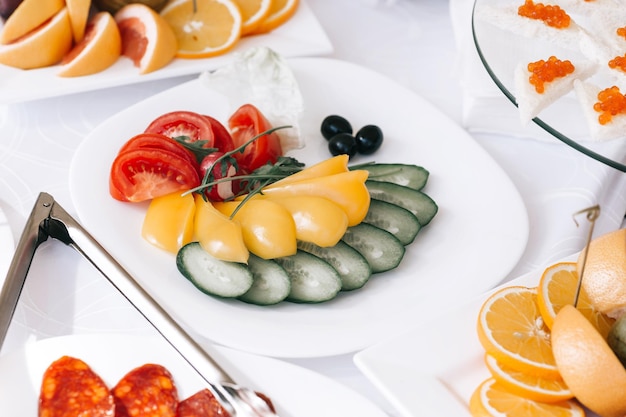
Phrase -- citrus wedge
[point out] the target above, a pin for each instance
(490, 399)
(280, 12)
(100, 48)
(147, 39)
(42, 47)
(79, 15)
(511, 329)
(253, 13)
(28, 16)
(528, 386)
(557, 288)
(212, 29)
(588, 365)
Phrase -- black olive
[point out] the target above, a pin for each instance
(333, 125)
(368, 139)
(342, 143)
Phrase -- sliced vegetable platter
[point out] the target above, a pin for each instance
(477, 237)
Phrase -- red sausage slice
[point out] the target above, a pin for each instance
(146, 391)
(204, 404)
(70, 388)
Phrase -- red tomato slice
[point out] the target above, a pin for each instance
(221, 138)
(246, 123)
(159, 141)
(183, 123)
(142, 174)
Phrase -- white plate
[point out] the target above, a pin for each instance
(475, 240)
(294, 391)
(433, 369)
(300, 36)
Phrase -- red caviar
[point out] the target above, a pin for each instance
(621, 32)
(551, 15)
(611, 102)
(546, 71)
(619, 62)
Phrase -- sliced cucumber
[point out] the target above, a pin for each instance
(418, 203)
(412, 176)
(271, 283)
(211, 275)
(313, 280)
(395, 219)
(353, 268)
(382, 250)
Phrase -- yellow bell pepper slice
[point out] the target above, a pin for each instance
(220, 236)
(268, 229)
(318, 220)
(346, 189)
(335, 165)
(168, 223)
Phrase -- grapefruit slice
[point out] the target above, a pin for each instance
(79, 15)
(28, 16)
(40, 48)
(147, 38)
(100, 48)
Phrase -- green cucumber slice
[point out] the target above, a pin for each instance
(417, 202)
(412, 176)
(313, 280)
(353, 268)
(271, 283)
(211, 275)
(397, 220)
(382, 250)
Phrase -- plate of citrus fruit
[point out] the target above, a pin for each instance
(70, 46)
(540, 345)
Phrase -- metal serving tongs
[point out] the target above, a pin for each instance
(49, 219)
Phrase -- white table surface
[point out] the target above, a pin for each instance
(411, 41)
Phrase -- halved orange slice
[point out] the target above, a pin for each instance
(147, 38)
(280, 12)
(100, 48)
(253, 13)
(28, 16)
(211, 29)
(42, 47)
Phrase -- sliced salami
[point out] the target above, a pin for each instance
(204, 404)
(146, 391)
(71, 388)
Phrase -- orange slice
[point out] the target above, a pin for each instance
(558, 288)
(147, 39)
(253, 13)
(511, 329)
(490, 399)
(280, 12)
(40, 48)
(528, 386)
(100, 48)
(213, 29)
(588, 365)
(79, 15)
(28, 16)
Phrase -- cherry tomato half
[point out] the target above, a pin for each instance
(246, 123)
(159, 141)
(221, 138)
(183, 123)
(142, 174)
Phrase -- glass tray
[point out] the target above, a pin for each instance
(500, 51)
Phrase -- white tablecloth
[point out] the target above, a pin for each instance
(411, 41)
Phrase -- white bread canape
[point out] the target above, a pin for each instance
(530, 103)
(587, 94)
(506, 17)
